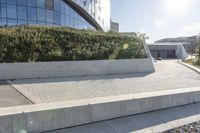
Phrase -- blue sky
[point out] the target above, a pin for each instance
(157, 18)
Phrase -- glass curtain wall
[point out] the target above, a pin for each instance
(40, 12)
(98, 9)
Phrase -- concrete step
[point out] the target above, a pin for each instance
(46, 117)
(152, 122)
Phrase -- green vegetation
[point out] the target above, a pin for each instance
(198, 50)
(198, 57)
(193, 61)
(42, 43)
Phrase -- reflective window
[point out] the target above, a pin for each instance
(49, 4)
(12, 2)
(3, 11)
(12, 11)
(31, 3)
(63, 19)
(32, 13)
(4, 22)
(21, 2)
(56, 18)
(57, 5)
(22, 22)
(2, 1)
(12, 22)
(49, 16)
(62, 7)
(21, 12)
(32, 23)
(40, 14)
(41, 3)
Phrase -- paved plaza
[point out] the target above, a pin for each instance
(169, 75)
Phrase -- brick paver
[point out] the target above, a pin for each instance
(168, 75)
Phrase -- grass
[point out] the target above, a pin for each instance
(193, 61)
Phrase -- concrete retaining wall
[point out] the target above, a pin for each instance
(45, 117)
(74, 68)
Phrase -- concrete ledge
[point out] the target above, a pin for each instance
(151, 122)
(191, 67)
(46, 117)
(74, 68)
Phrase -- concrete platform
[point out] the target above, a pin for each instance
(153, 122)
(169, 75)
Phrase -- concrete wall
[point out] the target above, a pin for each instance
(45, 117)
(74, 68)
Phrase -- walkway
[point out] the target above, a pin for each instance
(9, 96)
(168, 75)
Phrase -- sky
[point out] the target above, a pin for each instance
(157, 18)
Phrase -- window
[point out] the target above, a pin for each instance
(57, 5)
(12, 11)
(62, 7)
(22, 22)
(12, 2)
(31, 22)
(41, 3)
(63, 20)
(31, 3)
(21, 12)
(56, 18)
(12, 22)
(49, 4)
(32, 13)
(40, 14)
(3, 22)
(3, 11)
(49, 16)
(2, 1)
(21, 2)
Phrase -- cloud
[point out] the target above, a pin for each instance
(190, 29)
(177, 7)
(160, 23)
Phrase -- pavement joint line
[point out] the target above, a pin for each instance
(110, 126)
(197, 70)
(27, 96)
(163, 121)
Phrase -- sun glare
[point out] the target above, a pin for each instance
(177, 7)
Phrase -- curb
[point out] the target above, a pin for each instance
(190, 67)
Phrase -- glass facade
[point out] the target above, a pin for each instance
(53, 12)
(98, 9)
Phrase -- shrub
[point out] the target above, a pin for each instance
(43, 43)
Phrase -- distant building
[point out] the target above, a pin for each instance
(114, 26)
(190, 43)
(168, 50)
